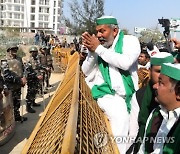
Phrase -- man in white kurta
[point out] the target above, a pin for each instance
(114, 106)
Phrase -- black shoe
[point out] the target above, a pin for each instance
(20, 118)
(36, 105)
(30, 110)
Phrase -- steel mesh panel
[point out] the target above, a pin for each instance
(66, 86)
(91, 121)
(49, 138)
(60, 96)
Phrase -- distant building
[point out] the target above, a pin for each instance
(31, 15)
(138, 30)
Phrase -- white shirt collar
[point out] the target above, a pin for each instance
(170, 114)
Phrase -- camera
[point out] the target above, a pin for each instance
(164, 22)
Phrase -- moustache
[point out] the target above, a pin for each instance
(156, 93)
(102, 39)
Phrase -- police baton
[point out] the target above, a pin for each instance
(43, 94)
(48, 75)
(22, 102)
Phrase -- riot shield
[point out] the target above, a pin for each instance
(7, 122)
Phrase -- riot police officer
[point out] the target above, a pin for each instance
(12, 69)
(43, 60)
(34, 76)
(49, 66)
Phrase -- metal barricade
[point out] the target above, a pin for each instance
(7, 122)
(144, 77)
(72, 122)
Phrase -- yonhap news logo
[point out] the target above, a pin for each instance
(100, 139)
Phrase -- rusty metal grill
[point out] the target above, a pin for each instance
(71, 120)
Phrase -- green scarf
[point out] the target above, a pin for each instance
(99, 91)
(171, 147)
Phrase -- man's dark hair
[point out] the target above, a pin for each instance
(176, 85)
(177, 88)
(145, 53)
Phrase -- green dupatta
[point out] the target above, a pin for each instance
(99, 91)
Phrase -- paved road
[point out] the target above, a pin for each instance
(23, 130)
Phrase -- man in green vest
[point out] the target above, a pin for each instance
(143, 101)
(163, 126)
(111, 72)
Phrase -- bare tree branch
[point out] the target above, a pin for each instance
(84, 14)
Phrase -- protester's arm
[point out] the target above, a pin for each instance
(176, 43)
(131, 51)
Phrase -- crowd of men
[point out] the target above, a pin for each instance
(15, 74)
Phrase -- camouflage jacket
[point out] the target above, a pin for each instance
(33, 68)
(43, 59)
(49, 60)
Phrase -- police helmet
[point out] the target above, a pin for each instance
(13, 47)
(33, 49)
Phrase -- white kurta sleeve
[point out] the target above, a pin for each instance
(89, 63)
(131, 50)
